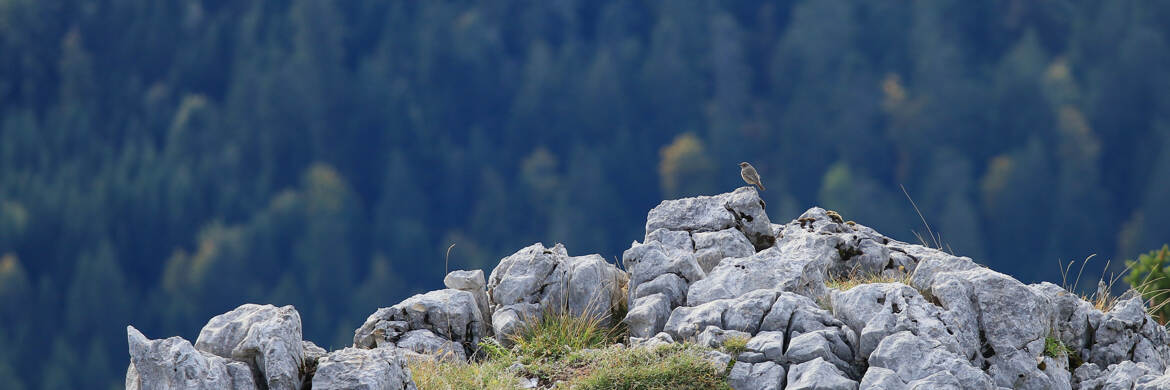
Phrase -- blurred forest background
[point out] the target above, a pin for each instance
(162, 162)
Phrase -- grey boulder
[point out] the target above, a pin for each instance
(558, 283)
(817, 374)
(450, 314)
(266, 337)
(713, 247)
(367, 369)
(174, 363)
(474, 283)
(759, 376)
(742, 209)
(794, 265)
(648, 315)
(424, 342)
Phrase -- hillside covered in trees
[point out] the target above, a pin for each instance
(165, 161)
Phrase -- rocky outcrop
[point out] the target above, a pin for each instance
(441, 321)
(356, 368)
(537, 280)
(942, 321)
(710, 270)
(174, 363)
(265, 337)
(685, 239)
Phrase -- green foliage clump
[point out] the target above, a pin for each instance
(735, 345)
(1149, 276)
(1053, 347)
(675, 366)
(556, 334)
(573, 353)
(491, 373)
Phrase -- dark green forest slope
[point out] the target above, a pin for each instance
(164, 161)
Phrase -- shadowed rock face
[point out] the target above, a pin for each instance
(710, 269)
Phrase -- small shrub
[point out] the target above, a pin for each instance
(489, 348)
(1150, 275)
(735, 345)
(1054, 348)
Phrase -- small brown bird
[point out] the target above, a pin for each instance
(749, 174)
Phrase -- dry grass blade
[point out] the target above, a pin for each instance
(937, 239)
(446, 260)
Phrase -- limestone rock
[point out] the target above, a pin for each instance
(648, 315)
(686, 322)
(794, 265)
(451, 314)
(425, 342)
(474, 283)
(174, 363)
(818, 374)
(668, 284)
(759, 376)
(313, 353)
(741, 209)
(714, 337)
(649, 261)
(1127, 333)
(265, 337)
(712, 247)
(659, 339)
(879, 378)
(355, 368)
(913, 358)
(875, 311)
(549, 277)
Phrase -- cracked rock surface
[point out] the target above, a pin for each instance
(266, 337)
(537, 280)
(937, 321)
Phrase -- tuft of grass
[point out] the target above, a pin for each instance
(735, 345)
(556, 334)
(855, 278)
(666, 367)
(935, 239)
(1104, 300)
(567, 352)
(491, 373)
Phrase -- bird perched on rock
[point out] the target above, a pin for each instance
(749, 174)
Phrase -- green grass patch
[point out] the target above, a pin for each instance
(567, 352)
(676, 366)
(554, 335)
(490, 373)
